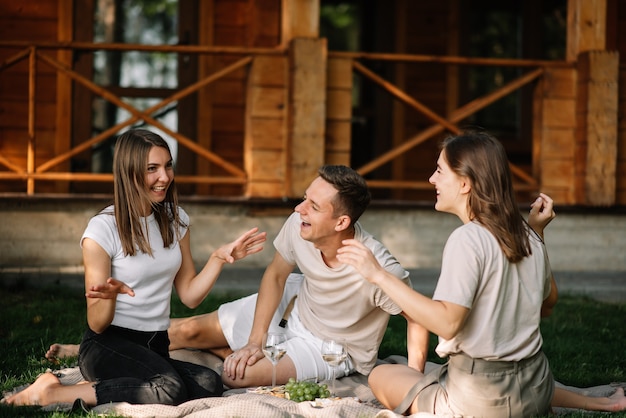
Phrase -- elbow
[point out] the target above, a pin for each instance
(191, 303)
(450, 331)
(97, 326)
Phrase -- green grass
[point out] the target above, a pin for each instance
(583, 339)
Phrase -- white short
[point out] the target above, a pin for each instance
(303, 348)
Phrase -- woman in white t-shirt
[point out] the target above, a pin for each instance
(135, 251)
(494, 287)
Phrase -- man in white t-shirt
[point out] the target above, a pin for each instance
(333, 300)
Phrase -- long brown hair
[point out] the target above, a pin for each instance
(130, 162)
(481, 158)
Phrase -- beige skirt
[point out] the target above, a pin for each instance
(467, 387)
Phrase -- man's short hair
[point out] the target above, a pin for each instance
(353, 195)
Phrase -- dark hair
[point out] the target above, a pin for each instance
(353, 195)
(482, 159)
(131, 197)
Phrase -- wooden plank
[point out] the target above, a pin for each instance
(14, 86)
(560, 83)
(557, 173)
(13, 141)
(27, 30)
(269, 71)
(30, 9)
(306, 112)
(206, 95)
(267, 102)
(267, 133)
(300, 19)
(227, 118)
(15, 114)
(586, 27)
(63, 123)
(558, 143)
(339, 73)
(339, 104)
(264, 189)
(265, 130)
(559, 113)
(229, 92)
(338, 157)
(231, 12)
(338, 135)
(266, 165)
(601, 126)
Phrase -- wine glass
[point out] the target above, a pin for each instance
(274, 349)
(334, 352)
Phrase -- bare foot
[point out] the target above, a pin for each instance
(35, 394)
(61, 351)
(617, 401)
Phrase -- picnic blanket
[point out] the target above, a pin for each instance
(357, 400)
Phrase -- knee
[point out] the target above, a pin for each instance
(169, 391)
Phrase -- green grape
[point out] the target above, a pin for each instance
(305, 390)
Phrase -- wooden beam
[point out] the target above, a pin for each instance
(586, 27)
(300, 19)
(306, 112)
(63, 137)
(598, 107)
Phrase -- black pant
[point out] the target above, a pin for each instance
(135, 367)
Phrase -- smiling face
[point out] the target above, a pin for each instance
(452, 189)
(159, 173)
(319, 222)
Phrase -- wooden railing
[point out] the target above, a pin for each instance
(33, 53)
(440, 123)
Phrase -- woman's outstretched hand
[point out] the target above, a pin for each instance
(109, 290)
(250, 242)
(360, 257)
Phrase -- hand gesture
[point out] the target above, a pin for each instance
(360, 257)
(109, 290)
(236, 363)
(248, 243)
(541, 213)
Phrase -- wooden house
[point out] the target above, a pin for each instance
(266, 91)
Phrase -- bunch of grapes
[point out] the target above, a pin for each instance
(305, 390)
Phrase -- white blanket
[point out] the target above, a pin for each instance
(357, 398)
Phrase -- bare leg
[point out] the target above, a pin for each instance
(47, 389)
(403, 378)
(201, 331)
(564, 398)
(260, 374)
(60, 351)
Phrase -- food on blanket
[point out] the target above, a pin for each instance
(278, 391)
(305, 390)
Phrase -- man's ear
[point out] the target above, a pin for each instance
(343, 222)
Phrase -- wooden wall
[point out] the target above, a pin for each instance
(221, 115)
(32, 21)
(617, 42)
(621, 138)
(250, 118)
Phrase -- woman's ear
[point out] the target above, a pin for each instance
(466, 185)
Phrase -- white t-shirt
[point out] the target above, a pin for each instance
(339, 302)
(151, 277)
(504, 298)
